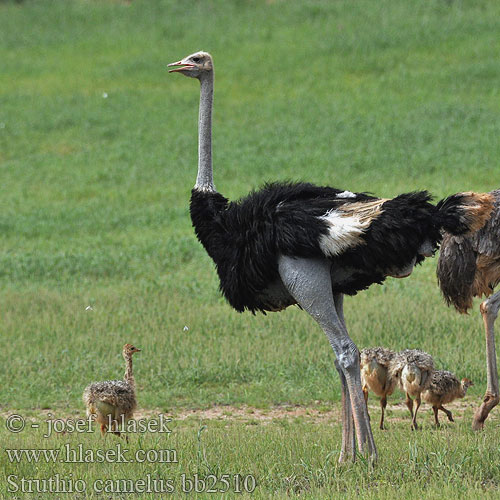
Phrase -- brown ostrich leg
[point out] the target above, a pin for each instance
(489, 310)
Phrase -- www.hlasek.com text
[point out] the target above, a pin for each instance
(82, 455)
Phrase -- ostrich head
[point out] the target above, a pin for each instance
(195, 65)
(466, 383)
(128, 350)
(426, 249)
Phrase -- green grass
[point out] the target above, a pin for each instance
(387, 96)
(287, 457)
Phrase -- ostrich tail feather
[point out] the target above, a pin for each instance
(464, 213)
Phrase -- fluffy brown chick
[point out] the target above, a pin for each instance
(444, 388)
(375, 375)
(113, 401)
(412, 368)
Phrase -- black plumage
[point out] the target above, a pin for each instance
(245, 237)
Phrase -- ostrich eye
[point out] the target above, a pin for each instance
(196, 59)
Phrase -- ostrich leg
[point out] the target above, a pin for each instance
(409, 404)
(383, 406)
(309, 283)
(418, 402)
(436, 417)
(447, 412)
(348, 437)
(489, 310)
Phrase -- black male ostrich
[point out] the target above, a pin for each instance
(296, 243)
(469, 266)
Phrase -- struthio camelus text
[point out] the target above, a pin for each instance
(412, 368)
(468, 267)
(113, 401)
(296, 243)
(375, 375)
(444, 388)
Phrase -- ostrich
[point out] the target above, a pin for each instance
(113, 401)
(296, 243)
(375, 375)
(444, 388)
(469, 266)
(412, 368)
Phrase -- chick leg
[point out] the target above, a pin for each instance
(418, 402)
(436, 417)
(448, 413)
(383, 404)
(409, 404)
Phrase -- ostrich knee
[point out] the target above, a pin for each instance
(348, 357)
(490, 307)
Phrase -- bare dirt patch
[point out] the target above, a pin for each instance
(316, 412)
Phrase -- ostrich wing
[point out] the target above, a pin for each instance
(443, 382)
(117, 393)
(486, 241)
(381, 355)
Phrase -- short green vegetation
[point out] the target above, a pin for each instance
(98, 153)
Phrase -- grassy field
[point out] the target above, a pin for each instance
(97, 158)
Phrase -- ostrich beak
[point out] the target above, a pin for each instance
(401, 276)
(405, 272)
(183, 65)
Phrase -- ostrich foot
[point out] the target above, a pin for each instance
(489, 402)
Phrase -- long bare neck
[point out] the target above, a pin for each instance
(129, 376)
(204, 181)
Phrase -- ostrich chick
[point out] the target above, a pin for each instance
(375, 375)
(113, 401)
(413, 369)
(444, 388)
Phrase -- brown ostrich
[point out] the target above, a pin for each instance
(412, 368)
(113, 401)
(468, 267)
(444, 388)
(375, 375)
